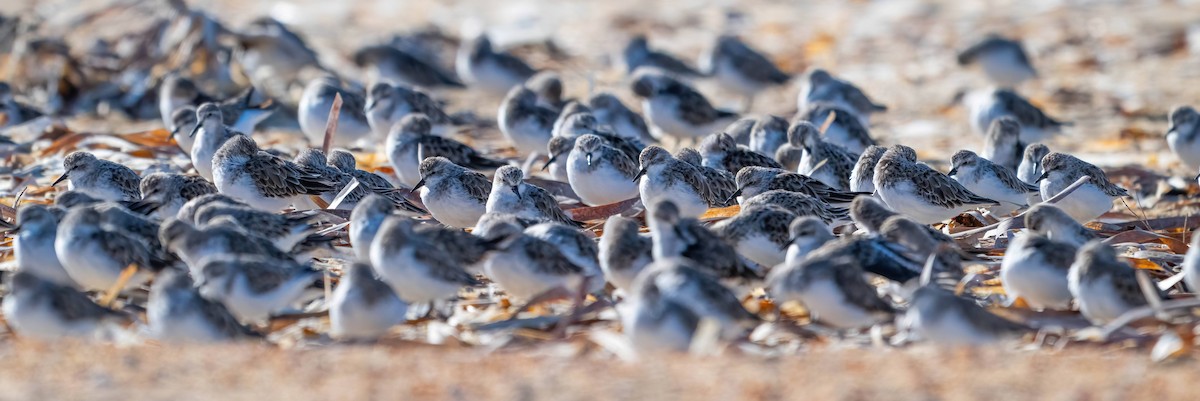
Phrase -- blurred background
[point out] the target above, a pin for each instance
(1114, 68)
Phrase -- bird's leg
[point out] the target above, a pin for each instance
(555, 293)
(560, 328)
(124, 278)
(747, 103)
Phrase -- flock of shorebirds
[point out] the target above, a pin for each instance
(828, 218)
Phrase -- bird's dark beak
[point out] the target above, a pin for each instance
(414, 189)
(173, 133)
(517, 190)
(639, 175)
(549, 162)
(1043, 176)
(1197, 177)
(790, 241)
(15, 230)
(589, 159)
(371, 103)
(734, 195)
(61, 178)
(953, 171)
(195, 129)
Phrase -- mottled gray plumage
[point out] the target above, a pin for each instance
(846, 130)
(638, 54)
(722, 183)
(752, 181)
(821, 86)
(99, 178)
(827, 162)
(623, 251)
(675, 235)
(1002, 144)
(862, 179)
(797, 203)
(1030, 168)
(720, 151)
(833, 289)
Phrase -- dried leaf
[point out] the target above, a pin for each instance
(589, 213)
(720, 213)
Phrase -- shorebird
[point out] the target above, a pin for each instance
(411, 141)
(799, 204)
(1182, 135)
(1003, 60)
(1104, 287)
(263, 180)
(395, 66)
(387, 105)
(494, 72)
(821, 86)
(609, 111)
(846, 130)
(94, 254)
(455, 196)
(417, 271)
(254, 287)
(752, 181)
(207, 137)
(1003, 145)
(805, 235)
(768, 134)
(98, 178)
(33, 244)
(662, 177)
(675, 109)
(1035, 268)
(992, 181)
(759, 233)
(623, 251)
(742, 69)
(862, 179)
(833, 290)
(670, 299)
(363, 306)
(171, 191)
(638, 54)
(943, 318)
(511, 194)
(1051, 221)
(720, 151)
(525, 123)
(317, 101)
(175, 312)
(827, 162)
(1089, 201)
(721, 183)
(1031, 162)
(919, 192)
(600, 174)
(989, 105)
(529, 267)
(40, 309)
(677, 235)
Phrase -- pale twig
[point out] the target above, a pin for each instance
(828, 121)
(331, 125)
(1054, 199)
(115, 289)
(1145, 312)
(341, 196)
